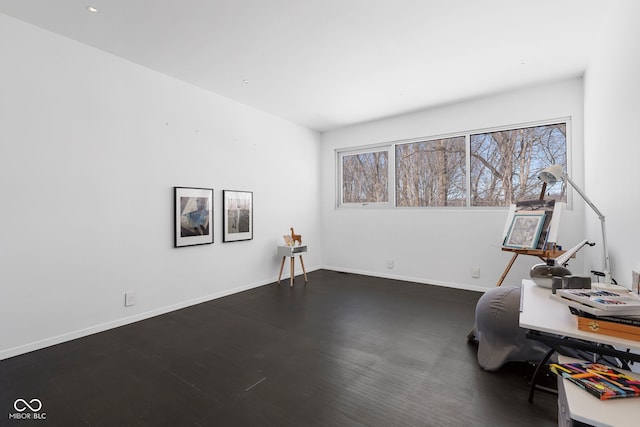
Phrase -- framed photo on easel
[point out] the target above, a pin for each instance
(525, 230)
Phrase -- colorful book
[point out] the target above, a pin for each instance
(600, 380)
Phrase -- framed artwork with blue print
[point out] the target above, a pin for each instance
(193, 216)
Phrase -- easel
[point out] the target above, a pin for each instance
(543, 254)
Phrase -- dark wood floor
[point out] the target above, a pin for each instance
(344, 350)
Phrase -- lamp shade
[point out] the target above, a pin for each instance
(551, 175)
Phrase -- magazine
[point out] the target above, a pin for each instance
(600, 380)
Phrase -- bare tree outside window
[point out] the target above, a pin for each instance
(431, 173)
(485, 168)
(365, 177)
(505, 164)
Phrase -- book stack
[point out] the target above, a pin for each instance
(603, 311)
(600, 380)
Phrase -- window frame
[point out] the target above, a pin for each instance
(390, 148)
(563, 120)
(428, 143)
(386, 147)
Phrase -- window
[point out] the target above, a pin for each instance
(486, 168)
(505, 164)
(431, 173)
(365, 177)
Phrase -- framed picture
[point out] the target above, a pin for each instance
(525, 230)
(237, 215)
(193, 216)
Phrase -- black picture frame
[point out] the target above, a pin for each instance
(193, 216)
(237, 215)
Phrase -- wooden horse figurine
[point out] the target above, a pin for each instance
(296, 237)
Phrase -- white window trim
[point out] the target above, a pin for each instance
(389, 148)
(391, 151)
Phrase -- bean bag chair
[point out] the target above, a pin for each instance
(498, 334)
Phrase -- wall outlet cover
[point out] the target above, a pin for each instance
(129, 299)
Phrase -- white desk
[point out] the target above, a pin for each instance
(582, 406)
(540, 313)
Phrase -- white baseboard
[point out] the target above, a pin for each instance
(47, 342)
(408, 279)
(59, 339)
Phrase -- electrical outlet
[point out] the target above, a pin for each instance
(389, 263)
(475, 272)
(129, 299)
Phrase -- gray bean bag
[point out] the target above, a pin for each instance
(497, 331)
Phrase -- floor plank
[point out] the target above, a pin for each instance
(343, 350)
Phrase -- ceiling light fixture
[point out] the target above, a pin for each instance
(523, 61)
(92, 9)
(245, 81)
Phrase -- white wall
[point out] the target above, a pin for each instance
(440, 246)
(612, 150)
(90, 149)
(91, 146)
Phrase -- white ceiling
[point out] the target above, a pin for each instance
(329, 63)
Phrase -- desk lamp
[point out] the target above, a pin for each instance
(553, 174)
(543, 274)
